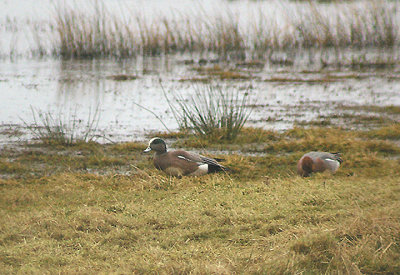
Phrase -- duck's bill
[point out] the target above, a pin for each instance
(148, 149)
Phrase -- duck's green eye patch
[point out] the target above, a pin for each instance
(157, 141)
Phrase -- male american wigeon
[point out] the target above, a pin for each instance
(181, 163)
(318, 162)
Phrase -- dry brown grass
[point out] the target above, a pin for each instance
(65, 213)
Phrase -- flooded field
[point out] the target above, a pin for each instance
(122, 91)
(316, 86)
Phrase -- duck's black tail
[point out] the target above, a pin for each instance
(338, 157)
(212, 168)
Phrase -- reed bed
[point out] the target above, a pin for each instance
(98, 32)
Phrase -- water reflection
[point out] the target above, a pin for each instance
(88, 84)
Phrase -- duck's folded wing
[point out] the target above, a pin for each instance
(332, 156)
(337, 156)
(193, 157)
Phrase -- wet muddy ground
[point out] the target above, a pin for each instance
(124, 93)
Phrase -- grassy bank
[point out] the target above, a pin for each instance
(104, 208)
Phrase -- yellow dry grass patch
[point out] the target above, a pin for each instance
(66, 213)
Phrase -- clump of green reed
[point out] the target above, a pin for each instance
(51, 129)
(212, 112)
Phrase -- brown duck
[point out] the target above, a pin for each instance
(313, 162)
(181, 163)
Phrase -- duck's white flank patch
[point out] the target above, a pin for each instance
(333, 164)
(201, 170)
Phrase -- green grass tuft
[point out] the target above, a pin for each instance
(212, 113)
(58, 130)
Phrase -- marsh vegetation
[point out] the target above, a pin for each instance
(63, 129)
(256, 31)
(212, 112)
(256, 84)
(96, 32)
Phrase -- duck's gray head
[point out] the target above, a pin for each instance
(156, 144)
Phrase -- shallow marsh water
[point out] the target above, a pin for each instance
(286, 89)
(76, 88)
